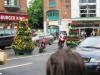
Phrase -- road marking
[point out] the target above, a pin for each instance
(1, 73)
(16, 66)
(30, 56)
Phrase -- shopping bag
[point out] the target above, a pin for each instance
(3, 58)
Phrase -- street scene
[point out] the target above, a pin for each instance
(49, 37)
(28, 65)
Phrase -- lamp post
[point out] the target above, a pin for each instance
(47, 23)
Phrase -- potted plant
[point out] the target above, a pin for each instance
(22, 44)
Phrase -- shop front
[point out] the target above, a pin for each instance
(11, 20)
(89, 27)
(53, 29)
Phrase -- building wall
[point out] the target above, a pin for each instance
(23, 7)
(74, 8)
(98, 8)
(2, 6)
(62, 5)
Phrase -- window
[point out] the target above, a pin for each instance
(91, 6)
(91, 1)
(87, 1)
(83, 15)
(83, 6)
(91, 11)
(11, 2)
(53, 15)
(91, 15)
(83, 11)
(83, 1)
(52, 3)
(88, 9)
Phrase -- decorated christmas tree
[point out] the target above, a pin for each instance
(23, 43)
(73, 38)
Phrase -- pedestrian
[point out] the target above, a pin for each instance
(65, 62)
(93, 33)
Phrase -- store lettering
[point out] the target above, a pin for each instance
(19, 18)
(5, 17)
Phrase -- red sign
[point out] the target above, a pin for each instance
(13, 17)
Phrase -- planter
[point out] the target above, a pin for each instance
(23, 52)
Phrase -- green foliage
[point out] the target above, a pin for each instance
(23, 39)
(35, 12)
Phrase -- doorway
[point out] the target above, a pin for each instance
(88, 31)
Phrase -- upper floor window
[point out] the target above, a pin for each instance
(52, 3)
(83, 1)
(11, 2)
(91, 1)
(53, 15)
(87, 1)
(87, 10)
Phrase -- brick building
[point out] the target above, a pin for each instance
(12, 11)
(58, 14)
(54, 12)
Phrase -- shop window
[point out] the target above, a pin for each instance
(53, 15)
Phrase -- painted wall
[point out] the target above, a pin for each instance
(98, 8)
(74, 8)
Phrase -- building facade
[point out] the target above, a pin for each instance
(11, 12)
(85, 13)
(54, 12)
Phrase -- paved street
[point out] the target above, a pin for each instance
(29, 65)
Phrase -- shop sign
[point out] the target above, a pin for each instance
(13, 17)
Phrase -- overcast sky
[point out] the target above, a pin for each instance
(28, 2)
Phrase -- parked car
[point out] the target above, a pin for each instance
(6, 37)
(89, 49)
(48, 38)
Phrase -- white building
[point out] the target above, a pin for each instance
(86, 13)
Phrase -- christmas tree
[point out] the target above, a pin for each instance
(73, 38)
(23, 43)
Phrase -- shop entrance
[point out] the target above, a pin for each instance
(53, 29)
(88, 31)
